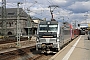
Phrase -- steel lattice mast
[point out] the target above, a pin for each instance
(18, 31)
(4, 26)
(28, 24)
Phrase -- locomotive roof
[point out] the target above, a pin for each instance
(48, 22)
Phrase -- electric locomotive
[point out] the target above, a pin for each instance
(52, 35)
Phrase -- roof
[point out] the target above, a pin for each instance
(13, 12)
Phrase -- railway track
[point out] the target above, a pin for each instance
(28, 53)
(11, 40)
(24, 54)
(41, 57)
(19, 54)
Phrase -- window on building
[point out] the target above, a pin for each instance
(11, 13)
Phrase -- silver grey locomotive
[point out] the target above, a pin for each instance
(52, 36)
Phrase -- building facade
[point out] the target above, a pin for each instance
(11, 21)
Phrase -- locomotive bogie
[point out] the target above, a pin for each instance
(47, 45)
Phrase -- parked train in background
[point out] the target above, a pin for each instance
(53, 35)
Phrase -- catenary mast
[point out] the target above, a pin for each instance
(4, 26)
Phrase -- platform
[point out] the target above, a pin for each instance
(78, 49)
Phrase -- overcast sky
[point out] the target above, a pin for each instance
(71, 10)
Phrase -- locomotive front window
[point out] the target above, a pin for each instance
(52, 28)
(43, 28)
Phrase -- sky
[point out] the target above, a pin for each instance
(67, 10)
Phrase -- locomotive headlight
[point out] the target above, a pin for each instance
(39, 45)
(37, 40)
(55, 35)
(58, 40)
